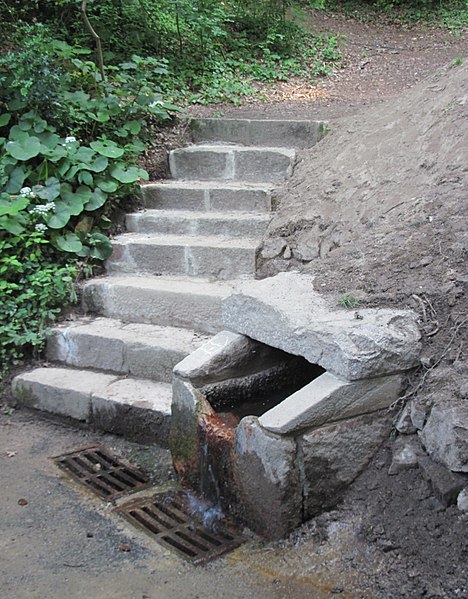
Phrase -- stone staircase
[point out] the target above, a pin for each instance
(166, 279)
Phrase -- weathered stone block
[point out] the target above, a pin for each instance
(286, 312)
(267, 479)
(446, 485)
(139, 409)
(334, 455)
(60, 391)
(329, 398)
(224, 356)
(445, 436)
(183, 437)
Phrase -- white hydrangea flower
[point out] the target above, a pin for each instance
(70, 139)
(40, 228)
(25, 191)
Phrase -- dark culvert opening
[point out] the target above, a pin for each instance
(256, 393)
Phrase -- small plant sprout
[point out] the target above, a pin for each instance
(348, 301)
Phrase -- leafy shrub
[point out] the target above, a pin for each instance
(69, 144)
(34, 287)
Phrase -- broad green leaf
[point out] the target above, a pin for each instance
(7, 223)
(17, 134)
(75, 200)
(100, 246)
(69, 242)
(60, 217)
(107, 185)
(85, 154)
(99, 164)
(49, 139)
(98, 199)
(54, 154)
(128, 175)
(50, 191)
(13, 207)
(25, 149)
(4, 119)
(133, 126)
(107, 148)
(17, 177)
(86, 177)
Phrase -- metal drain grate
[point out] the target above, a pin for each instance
(105, 474)
(167, 518)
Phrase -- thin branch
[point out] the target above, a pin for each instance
(97, 39)
(413, 392)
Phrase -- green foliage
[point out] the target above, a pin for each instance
(69, 144)
(452, 14)
(349, 301)
(33, 288)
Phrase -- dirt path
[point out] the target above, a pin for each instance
(379, 61)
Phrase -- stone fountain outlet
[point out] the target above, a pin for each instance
(273, 418)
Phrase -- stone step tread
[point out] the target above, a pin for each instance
(194, 215)
(223, 147)
(173, 338)
(295, 133)
(215, 184)
(173, 284)
(163, 239)
(118, 329)
(141, 350)
(169, 284)
(191, 303)
(139, 409)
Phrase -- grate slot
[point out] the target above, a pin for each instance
(99, 486)
(105, 474)
(106, 460)
(112, 481)
(152, 513)
(192, 540)
(180, 518)
(141, 517)
(204, 534)
(167, 517)
(185, 551)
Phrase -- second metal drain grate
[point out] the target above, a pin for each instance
(167, 518)
(105, 474)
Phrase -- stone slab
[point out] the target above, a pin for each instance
(268, 479)
(285, 311)
(259, 132)
(180, 222)
(138, 409)
(445, 485)
(226, 355)
(329, 398)
(445, 435)
(217, 257)
(234, 163)
(166, 301)
(141, 350)
(333, 456)
(60, 391)
(207, 196)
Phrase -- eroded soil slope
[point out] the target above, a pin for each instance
(378, 209)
